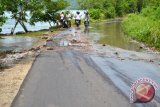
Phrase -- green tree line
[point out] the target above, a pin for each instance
(40, 10)
(142, 17)
(113, 8)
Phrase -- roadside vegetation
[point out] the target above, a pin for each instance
(39, 33)
(145, 26)
(2, 17)
(104, 9)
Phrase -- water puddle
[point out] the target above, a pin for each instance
(10, 43)
(69, 37)
(111, 34)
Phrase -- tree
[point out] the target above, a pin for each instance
(120, 7)
(140, 4)
(131, 6)
(112, 8)
(46, 10)
(40, 10)
(109, 8)
(18, 8)
(2, 17)
(90, 4)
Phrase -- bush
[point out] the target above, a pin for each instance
(95, 13)
(109, 12)
(151, 12)
(142, 28)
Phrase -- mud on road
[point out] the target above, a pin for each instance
(72, 71)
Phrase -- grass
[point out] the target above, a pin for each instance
(37, 33)
(143, 29)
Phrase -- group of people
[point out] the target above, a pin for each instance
(65, 19)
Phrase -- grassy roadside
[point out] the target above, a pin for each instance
(144, 27)
(38, 33)
(32, 33)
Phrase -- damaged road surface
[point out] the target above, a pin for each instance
(72, 78)
(66, 79)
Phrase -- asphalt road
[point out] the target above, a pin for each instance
(123, 73)
(69, 78)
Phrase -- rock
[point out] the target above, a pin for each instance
(73, 41)
(38, 47)
(18, 51)
(32, 49)
(45, 37)
(151, 60)
(50, 48)
(45, 34)
(35, 48)
(50, 39)
(69, 44)
(2, 55)
(65, 43)
(9, 52)
(141, 47)
(116, 53)
(122, 59)
(104, 45)
(30, 53)
(45, 45)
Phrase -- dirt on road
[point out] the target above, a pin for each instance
(72, 71)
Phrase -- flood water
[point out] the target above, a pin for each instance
(111, 33)
(103, 33)
(16, 43)
(6, 28)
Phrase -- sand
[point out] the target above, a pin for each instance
(11, 80)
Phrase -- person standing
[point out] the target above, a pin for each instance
(86, 22)
(69, 17)
(62, 19)
(86, 19)
(77, 19)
